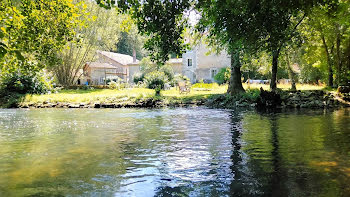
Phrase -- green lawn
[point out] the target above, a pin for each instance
(86, 96)
(108, 95)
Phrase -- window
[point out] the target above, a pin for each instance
(213, 72)
(189, 62)
(102, 80)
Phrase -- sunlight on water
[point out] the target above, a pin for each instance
(179, 152)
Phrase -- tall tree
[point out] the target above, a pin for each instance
(231, 25)
(101, 31)
(331, 25)
(280, 20)
(131, 42)
(226, 22)
(238, 26)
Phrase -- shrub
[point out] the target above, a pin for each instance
(124, 85)
(223, 76)
(30, 83)
(156, 80)
(114, 85)
(140, 84)
(177, 78)
(147, 66)
(138, 77)
(117, 85)
(168, 71)
(85, 87)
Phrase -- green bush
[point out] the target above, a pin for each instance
(117, 85)
(156, 80)
(147, 67)
(223, 76)
(168, 71)
(31, 83)
(114, 85)
(138, 77)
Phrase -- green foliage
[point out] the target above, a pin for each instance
(327, 35)
(161, 21)
(30, 83)
(251, 95)
(114, 85)
(177, 78)
(223, 76)
(244, 99)
(32, 32)
(101, 31)
(36, 30)
(230, 24)
(138, 77)
(147, 67)
(129, 41)
(312, 74)
(168, 71)
(256, 66)
(156, 80)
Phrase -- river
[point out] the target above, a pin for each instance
(174, 152)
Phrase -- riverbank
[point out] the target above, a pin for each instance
(249, 99)
(211, 95)
(281, 99)
(106, 98)
(124, 102)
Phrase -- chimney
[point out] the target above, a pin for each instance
(133, 55)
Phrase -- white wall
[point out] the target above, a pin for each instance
(189, 71)
(98, 73)
(203, 63)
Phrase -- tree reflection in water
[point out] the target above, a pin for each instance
(174, 152)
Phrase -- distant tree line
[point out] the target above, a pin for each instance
(313, 33)
(264, 38)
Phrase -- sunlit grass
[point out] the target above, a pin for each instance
(284, 86)
(215, 89)
(102, 95)
(80, 96)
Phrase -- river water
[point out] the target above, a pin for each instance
(174, 152)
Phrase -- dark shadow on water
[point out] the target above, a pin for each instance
(277, 182)
(236, 186)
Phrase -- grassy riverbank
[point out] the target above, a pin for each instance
(201, 94)
(211, 94)
(106, 95)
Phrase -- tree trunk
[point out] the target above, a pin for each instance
(329, 62)
(275, 55)
(291, 74)
(235, 86)
(339, 61)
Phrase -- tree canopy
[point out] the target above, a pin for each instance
(33, 31)
(161, 21)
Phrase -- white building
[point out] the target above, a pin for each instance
(109, 65)
(197, 64)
